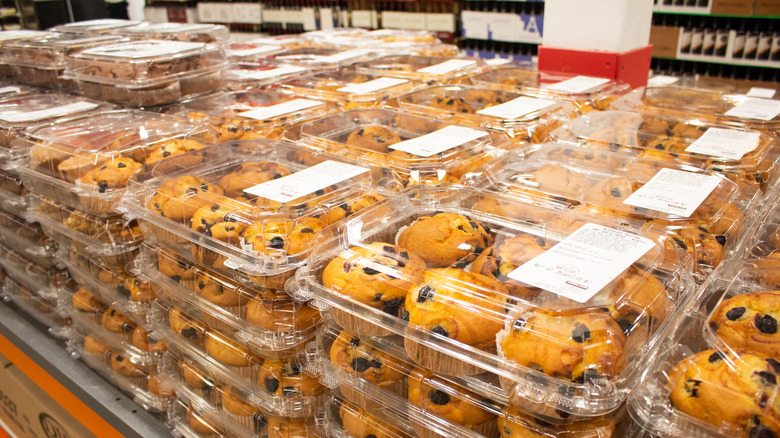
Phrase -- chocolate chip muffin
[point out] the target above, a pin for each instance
(446, 239)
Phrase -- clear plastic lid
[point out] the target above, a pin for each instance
(95, 27)
(246, 115)
(93, 157)
(325, 34)
(267, 320)
(344, 419)
(279, 388)
(523, 118)
(113, 241)
(736, 110)
(527, 285)
(27, 238)
(187, 32)
(588, 93)
(44, 281)
(45, 310)
(252, 52)
(742, 155)
(705, 213)
(13, 194)
(51, 51)
(398, 47)
(10, 35)
(350, 89)
(422, 68)
(246, 75)
(289, 42)
(717, 374)
(256, 206)
(315, 58)
(18, 113)
(418, 150)
(401, 35)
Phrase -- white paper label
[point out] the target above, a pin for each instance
(755, 108)
(343, 56)
(240, 53)
(766, 93)
(171, 27)
(307, 181)
(439, 141)
(578, 84)
(103, 23)
(581, 265)
(144, 49)
(6, 90)
(724, 143)
(517, 108)
(371, 86)
(264, 74)
(291, 106)
(57, 111)
(674, 191)
(661, 80)
(498, 61)
(447, 66)
(16, 34)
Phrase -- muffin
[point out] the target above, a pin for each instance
(217, 219)
(445, 239)
(553, 180)
(451, 104)
(178, 200)
(187, 327)
(173, 267)
(285, 379)
(462, 306)
(105, 178)
(129, 371)
(197, 382)
(514, 424)
(235, 357)
(350, 356)
(251, 174)
(734, 391)
(202, 426)
(119, 324)
(374, 138)
(148, 343)
(281, 315)
(88, 305)
(216, 291)
(171, 148)
(499, 260)
(749, 321)
(438, 397)
(96, 350)
(137, 291)
(768, 272)
(360, 424)
(242, 413)
(289, 428)
(379, 275)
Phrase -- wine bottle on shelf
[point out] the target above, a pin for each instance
(765, 42)
(738, 51)
(722, 36)
(751, 41)
(686, 36)
(708, 44)
(775, 51)
(697, 39)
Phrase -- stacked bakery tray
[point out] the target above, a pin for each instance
(36, 289)
(244, 75)
(6, 36)
(101, 26)
(743, 155)
(380, 389)
(247, 115)
(188, 32)
(316, 57)
(41, 61)
(703, 213)
(474, 292)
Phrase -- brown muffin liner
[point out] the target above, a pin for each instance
(400, 388)
(489, 429)
(276, 281)
(167, 93)
(212, 395)
(217, 324)
(118, 261)
(93, 201)
(207, 257)
(140, 382)
(201, 84)
(161, 234)
(89, 89)
(245, 421)
(104, 358)
(357, 325)
(250, 372)
(439, 362)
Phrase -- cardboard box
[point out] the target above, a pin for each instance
(733, 7)
(664, 40)
(30, 412)
(766, 7)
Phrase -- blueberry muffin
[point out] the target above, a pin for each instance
(250, 174)
(349, 208)
(235, 357)
(553, 180)
(499, 260)
(585, 157)
(768, 272)
(446, 239)
(219, 292)
(219, 220)
(171, 148)
(286, 379)
(350, 356)
(187, 327)
(483, 98)
(129, 371)
(110, 176)
(145, 342)
(440, 398)
(280, 315)
(198, 382)
(514, 424)
(611, 192)
(178, 199)
(734, 391)
(749, 321)
(463, 306)
(96, 350)
(379, 275)
(201, 425)
(88, 305)
(358, 423)
(137, 291)
(451, 104)
(119, 324)
(372, 138)
(175, 268)
(240, 412)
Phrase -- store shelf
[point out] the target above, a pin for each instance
(100, 407)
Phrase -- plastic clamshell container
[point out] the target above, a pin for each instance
(19, 113)
(587, 93)
(7, 36)
(762, 245)
(268, 236)
(41, 61)
(147, 387)
(370, 135)
(752, 157)
(350, 89)
(247, 115)
(46, 310)
(318, 58)
(708, 225)
(27, 238)
(735, 110)
(289, 42)
(119, 331)
(85, 162)
(524, 119)
(255, 75)
(346, 420)
(280, 388)
(469, 323)
(428, 69)
(187, 32)
(46, 282)
(251, 52)
(149, 72)
(270, 322)
(113, 241)
(706, 355)
(398, 47)
(402, 35)
(13, 194)
(323, 35)
(94, 27)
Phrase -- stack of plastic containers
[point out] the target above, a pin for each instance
(222, 238)
(430, 69)
(7, 36)
(186, 32)
(438, 326)
(101, 26)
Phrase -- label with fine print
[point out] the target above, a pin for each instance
(439, 141)
(674, 191)
(307, 181)
(730, 144)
